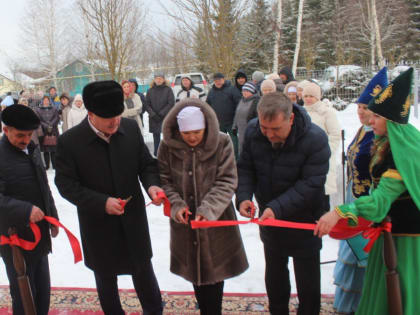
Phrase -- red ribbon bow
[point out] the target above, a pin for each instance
(27, 245)
(373, 233)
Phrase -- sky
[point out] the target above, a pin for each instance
(13, 11)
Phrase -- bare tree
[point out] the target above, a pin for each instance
(278, 36)
(117, 27)
(213, 24)
(43, 32)
(298, 32)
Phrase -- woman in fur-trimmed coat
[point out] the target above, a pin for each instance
(198, 174)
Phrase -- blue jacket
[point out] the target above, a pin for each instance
(290, 180)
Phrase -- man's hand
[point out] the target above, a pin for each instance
(113, 206)
(245, 209)
(326, 223)
(54, 230)
(153, 191)
(267, 214)
(182, 215)
(36, 214)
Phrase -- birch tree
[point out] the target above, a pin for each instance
(298, 33)
(43, 32)
(277, 37)
(377, 34)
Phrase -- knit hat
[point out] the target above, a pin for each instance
(250, 87)
(312, 89)
(159, 74)
(393, 103)
(104, 98)
(20, 117)
(268, 84)
(191, 118)
(258, 76)
(291, 87)
(273, 76)
(374, 87)
(302, 84)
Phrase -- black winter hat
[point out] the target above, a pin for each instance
(218, 75)
(104, 98)
(20, 117)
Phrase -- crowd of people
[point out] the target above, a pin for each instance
(270, 140)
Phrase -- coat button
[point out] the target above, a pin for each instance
(195, 243)
(191, 197)
(190, 173)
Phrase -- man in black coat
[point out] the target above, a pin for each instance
(284, 163)
(99, 161)
(224, 98)
(159, 101)
(25, 197)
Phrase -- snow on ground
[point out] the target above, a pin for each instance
(64, 273)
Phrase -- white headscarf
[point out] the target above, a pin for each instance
(191, 118)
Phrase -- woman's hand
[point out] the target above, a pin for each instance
(182, 216)
(326, 223)
(200, 218)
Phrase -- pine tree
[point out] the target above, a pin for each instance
(288, 31)
(258, 44)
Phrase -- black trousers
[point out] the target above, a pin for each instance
(146, 287)
(38, 273)
(209, 298)
(47, 159)
(156, 142)
(308, 283)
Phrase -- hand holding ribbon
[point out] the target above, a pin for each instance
(27, 245)
(161, 197)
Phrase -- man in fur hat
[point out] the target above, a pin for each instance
(25, 197)
(99, 164)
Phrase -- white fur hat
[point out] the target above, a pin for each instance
(312, 89)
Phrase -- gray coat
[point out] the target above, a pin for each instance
(203, 178)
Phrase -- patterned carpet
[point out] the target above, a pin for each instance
(78, 301)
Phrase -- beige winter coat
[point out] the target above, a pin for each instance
(325, 117)
(203, 178)
(134, 113)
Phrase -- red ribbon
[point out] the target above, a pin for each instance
(166, 203)
(27, 245)
(340, 231)
(373, 233)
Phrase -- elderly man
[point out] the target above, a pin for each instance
(25, 197)
(284, 163)
(99, 164)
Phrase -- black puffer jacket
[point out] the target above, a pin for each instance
(23, 184)
(290, 180)
(288, 73)
(224, 102)
(159, 101)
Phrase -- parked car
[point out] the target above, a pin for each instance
(197, 77)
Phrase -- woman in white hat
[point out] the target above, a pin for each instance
(198, 174)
